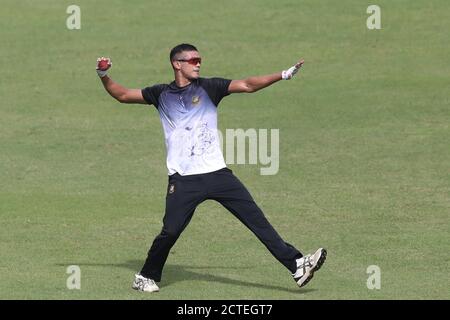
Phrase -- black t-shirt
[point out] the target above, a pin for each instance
(216, 88)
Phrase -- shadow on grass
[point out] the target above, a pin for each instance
(176, 273)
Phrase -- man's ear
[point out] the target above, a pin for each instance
(176, 65)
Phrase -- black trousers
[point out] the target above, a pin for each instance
(185, 193)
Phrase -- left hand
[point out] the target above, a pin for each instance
(289, 73)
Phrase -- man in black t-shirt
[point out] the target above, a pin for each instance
(197, 171)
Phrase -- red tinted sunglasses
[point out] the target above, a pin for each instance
(192, 61)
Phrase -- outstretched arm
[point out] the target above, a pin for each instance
(117, 91)
(253, 84)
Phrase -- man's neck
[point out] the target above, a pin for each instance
(182, 81)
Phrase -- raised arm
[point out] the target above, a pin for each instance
(253, 84)
(117, 91)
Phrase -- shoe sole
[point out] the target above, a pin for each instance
(319, 264)
(138, 289)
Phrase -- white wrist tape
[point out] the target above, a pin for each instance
(101, 73)
(289, 73)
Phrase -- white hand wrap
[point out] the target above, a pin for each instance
(289, 73)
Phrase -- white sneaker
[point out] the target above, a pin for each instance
(307, 265)
(144, 284)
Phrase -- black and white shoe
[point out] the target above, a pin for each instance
(307, 265)
(144, 284)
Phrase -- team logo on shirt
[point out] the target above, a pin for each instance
(195, 100)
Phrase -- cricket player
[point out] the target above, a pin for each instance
(197, 171)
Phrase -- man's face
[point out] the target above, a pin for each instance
(188, 62)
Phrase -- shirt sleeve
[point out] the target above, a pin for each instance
(217, 88)
(151, 94)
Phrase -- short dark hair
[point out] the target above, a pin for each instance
(180, 48)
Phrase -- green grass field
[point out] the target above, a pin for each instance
(364, 148)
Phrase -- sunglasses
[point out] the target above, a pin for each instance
(192, 61)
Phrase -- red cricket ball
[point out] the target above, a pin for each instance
(103, 65)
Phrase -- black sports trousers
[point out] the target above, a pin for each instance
(185, 193)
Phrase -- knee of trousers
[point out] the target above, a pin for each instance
(171, 232)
